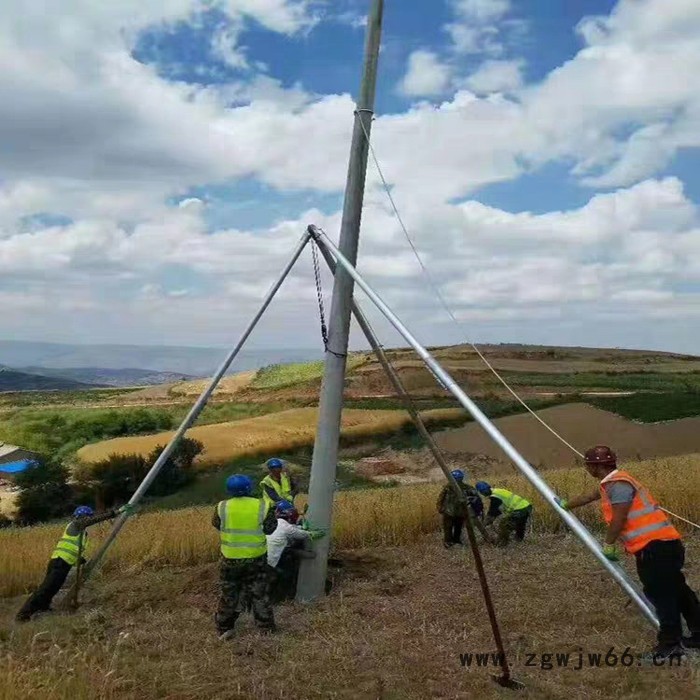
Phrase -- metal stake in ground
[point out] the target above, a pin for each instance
(520, 462)
(312, 574)
(196, 409)
(405, 397)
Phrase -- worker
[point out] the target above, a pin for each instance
(285, 547)
(243, 522)
(514, 512)
(634, 517)
(453, 509)
(68, 552)
(278, 485)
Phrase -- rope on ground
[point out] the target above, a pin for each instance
(458, 323)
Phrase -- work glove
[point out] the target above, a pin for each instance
(611, 552)
(316, 534)
(126, 509)
(562, 503)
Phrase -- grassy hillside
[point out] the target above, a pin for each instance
(13, 380)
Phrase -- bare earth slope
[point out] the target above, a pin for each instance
(581, 425)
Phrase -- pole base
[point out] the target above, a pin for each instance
(509, 683)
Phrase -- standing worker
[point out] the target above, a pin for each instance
(453, 510)
(633, 516)
(513, 510)
(67, 554)
(278, 485)
(242, 522)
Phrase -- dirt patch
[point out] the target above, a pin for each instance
(582, 426)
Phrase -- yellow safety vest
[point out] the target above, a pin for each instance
(511, 502)
(241, 528)
(283, 488)
(69, 546)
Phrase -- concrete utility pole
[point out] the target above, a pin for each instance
(312, 575)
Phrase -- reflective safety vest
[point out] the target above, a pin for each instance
(282, 488)
(69, 547)
(511, 502)
(645, 522)
(241, 528)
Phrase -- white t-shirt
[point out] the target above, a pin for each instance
(285, 533)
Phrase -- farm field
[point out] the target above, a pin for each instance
(581, 425)
(281, 431)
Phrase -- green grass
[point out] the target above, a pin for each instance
(620, 381)
(279, 376)
(651, 408)
(18, 399)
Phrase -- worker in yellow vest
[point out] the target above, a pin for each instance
(243, 522)
(68, 552)
(278, 485)
(634, 517)
(514, 511)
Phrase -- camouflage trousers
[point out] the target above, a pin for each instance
(245, 585)
(514, 522)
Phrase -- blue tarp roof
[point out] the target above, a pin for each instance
(15, 467)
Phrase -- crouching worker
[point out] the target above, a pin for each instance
(634, 517)
(243, 522)
(279, 484)
(286, 546)
(514, 511)
(453, 510)
(69, 551)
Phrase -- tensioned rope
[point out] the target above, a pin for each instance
(459, 324)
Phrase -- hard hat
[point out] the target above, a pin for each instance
(458, 474)
(275, 463)
(600, 455)
(239, 485)
(483, 488)
(83, 512)
(287, 511)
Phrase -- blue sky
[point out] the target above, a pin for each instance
(161, 160)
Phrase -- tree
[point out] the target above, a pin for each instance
(116, 478)
(44, 493)
(177, 471)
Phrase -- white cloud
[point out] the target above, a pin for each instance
(496, 76)
(426, 75)
(89, 133)
(476, 26)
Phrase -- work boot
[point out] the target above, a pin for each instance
(23, 617)
(662, 654)
(225, 636)
(692, 642)
(447, 545)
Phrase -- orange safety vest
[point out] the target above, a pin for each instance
(646, 521)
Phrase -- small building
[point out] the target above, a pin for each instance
(13, 453)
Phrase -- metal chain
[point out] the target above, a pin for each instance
(319, 295)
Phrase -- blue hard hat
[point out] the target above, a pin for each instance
(239, 485)
(284, 507)
(275, 463)
(483, 488)
(458, 474)
(83, 512)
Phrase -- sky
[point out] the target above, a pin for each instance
(159, 160)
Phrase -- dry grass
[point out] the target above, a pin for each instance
(368, 518)
(275, 432)
(393, 629)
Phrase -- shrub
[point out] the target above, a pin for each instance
(44, 494)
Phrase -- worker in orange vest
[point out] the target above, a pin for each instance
(634, 517)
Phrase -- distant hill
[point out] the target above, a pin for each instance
(196, 362)
(99, 376)
(12, 380)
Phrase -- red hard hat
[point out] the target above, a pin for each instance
(600, 455)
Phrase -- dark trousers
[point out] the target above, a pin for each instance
(245, 583)
(515, 522)
(660, 569)
(452, 528)
(56, 573)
